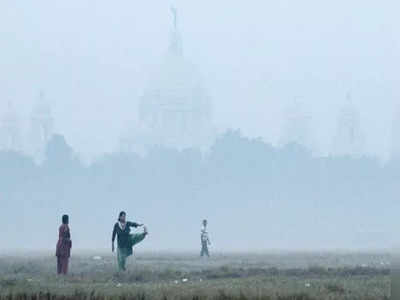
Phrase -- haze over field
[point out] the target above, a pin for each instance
(279, 121)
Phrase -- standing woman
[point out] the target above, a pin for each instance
(64, 245)
(125, 240)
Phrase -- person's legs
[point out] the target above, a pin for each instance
(123, 253)
(65, 262)
(59, 265)
(121, 256)
(62, 265)
(202, 252)
(204, 249)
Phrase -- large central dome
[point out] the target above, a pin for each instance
(175, 107)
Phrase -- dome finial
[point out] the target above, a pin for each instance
(174, 15)
(175, 46)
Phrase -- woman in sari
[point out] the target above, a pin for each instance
(64, 245)
(125, 240)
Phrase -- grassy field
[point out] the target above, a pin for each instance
(186, 276)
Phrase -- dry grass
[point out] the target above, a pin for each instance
(185, 276)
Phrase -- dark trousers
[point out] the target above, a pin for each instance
(123, 253)
(62, 265)
(204, 249)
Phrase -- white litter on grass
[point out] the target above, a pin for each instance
(176, 281)
(185, 280)
(97, 257)
(307, 285)
(29, 279)
(119, 285)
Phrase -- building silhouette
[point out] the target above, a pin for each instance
(175, 108)
(349, 138)
(41, 127)
(10, 131)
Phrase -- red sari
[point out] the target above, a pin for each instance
(63, 250)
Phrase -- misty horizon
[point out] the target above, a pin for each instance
(277, 121)
(254, 68)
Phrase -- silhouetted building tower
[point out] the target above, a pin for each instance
(41, 126)
(349, 139)
(10, 130)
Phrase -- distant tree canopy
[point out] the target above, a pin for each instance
(238, 178)
(233, 158)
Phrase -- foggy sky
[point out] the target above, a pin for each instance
(92, 59)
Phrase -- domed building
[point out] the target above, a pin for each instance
(349, 139)
(175, 109)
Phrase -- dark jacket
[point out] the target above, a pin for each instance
(123, 235)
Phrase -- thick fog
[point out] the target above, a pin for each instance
(278, 121)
